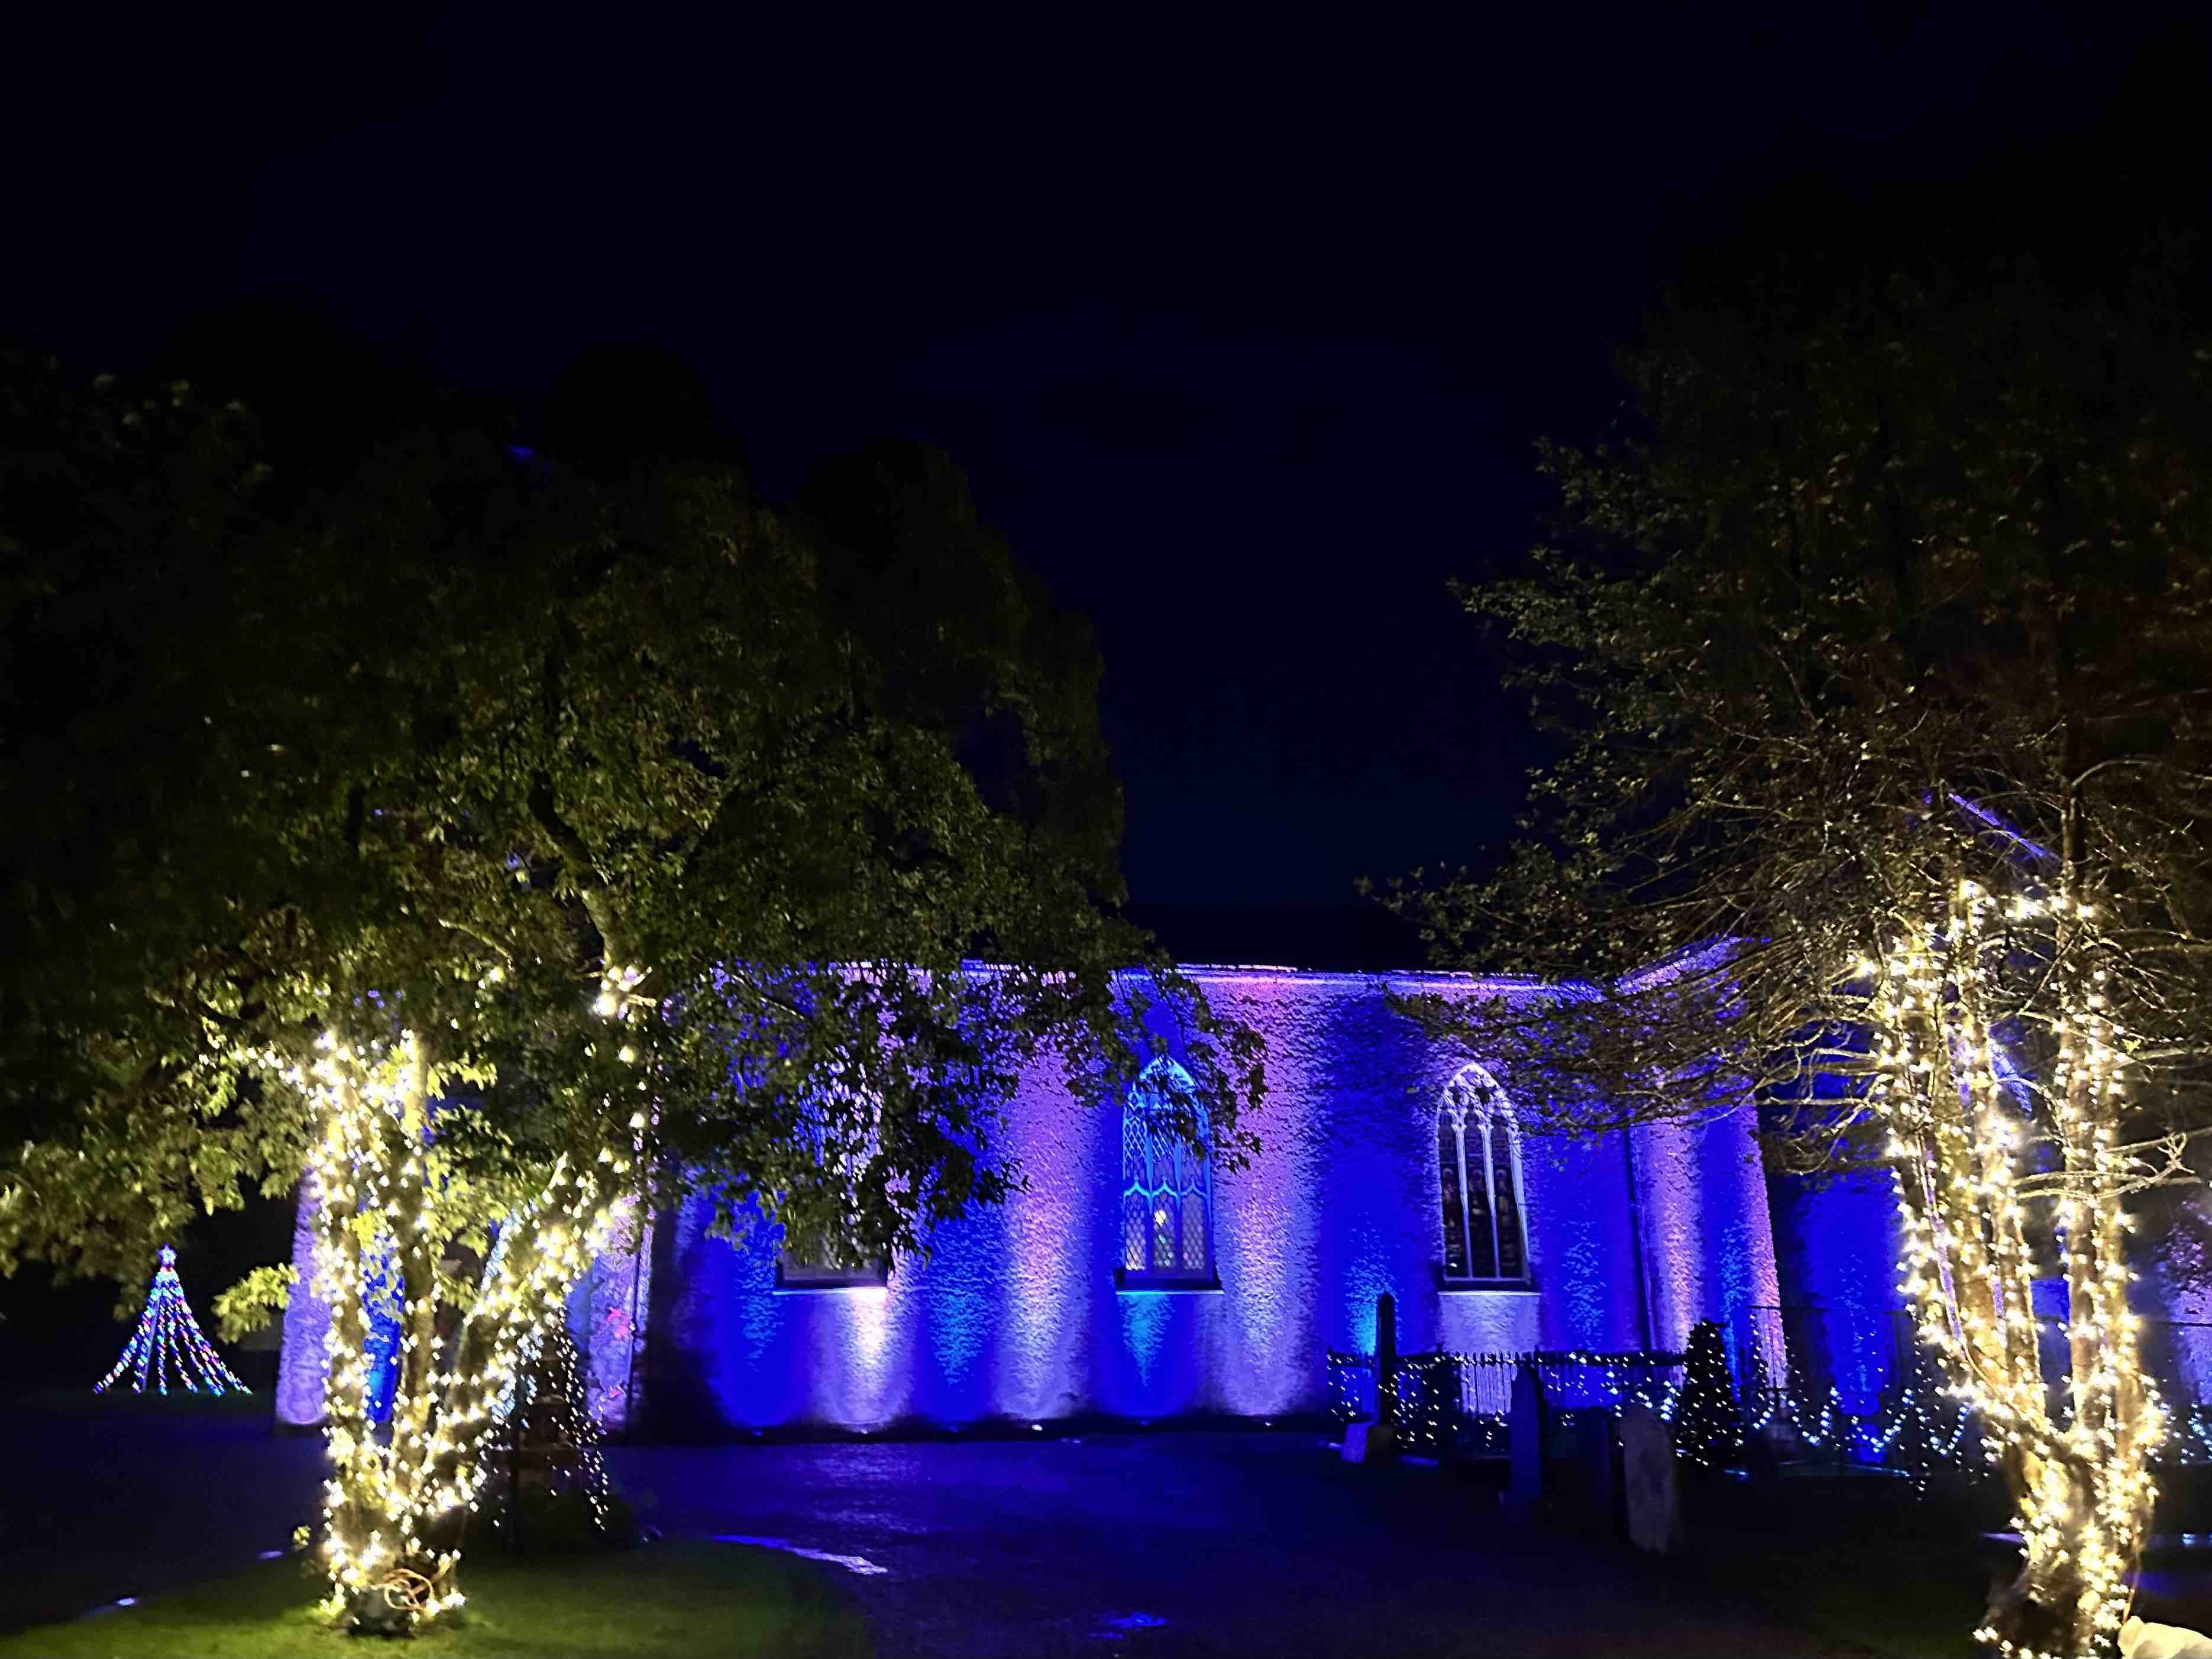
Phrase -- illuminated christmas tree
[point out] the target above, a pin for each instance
(1708, 1425)
(556, 1490)
(168, 1340)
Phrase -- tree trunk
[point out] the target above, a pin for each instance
(2080, 1484)
(396, 1502)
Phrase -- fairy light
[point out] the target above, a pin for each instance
(551, 1408)
(2082, 1479)
(394, 1505)
(1459, 1400)
(168, 1340)
(1708, 1426)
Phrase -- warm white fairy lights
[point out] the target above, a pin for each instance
(551, 1414)
(1448, 1402)
(1957, 1141)
(394, 1506)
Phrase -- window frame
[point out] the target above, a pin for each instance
(796, 1274)
(799, 1277)
(1136, 1112)
(1473, 1097)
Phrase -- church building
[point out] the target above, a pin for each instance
(1131, 1281)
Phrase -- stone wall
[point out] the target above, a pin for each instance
(1015, 1314)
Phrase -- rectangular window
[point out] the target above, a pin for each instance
(1505, 1180)
(795, 1271)
(1483, 1264)
(1453, 1182)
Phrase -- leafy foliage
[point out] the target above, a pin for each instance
(1882, 561)
(250, 1303)
(285, 754)
(499, 841)
(1880, 675)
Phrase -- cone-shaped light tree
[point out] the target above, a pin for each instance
(1880, 668)
(547, 1447)
(488, 841)
(168, 1343)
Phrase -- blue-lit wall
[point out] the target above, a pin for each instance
(1838, 1246)
(1016, 1314)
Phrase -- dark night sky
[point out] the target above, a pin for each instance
(1243, 334)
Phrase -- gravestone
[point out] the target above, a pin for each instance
(1524, 1434)
(1355, 1442)
(1383, 1438)
(1647, 1474)
(1596, 1465)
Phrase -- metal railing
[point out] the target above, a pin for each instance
(1853, 1389)
(1458, 1404)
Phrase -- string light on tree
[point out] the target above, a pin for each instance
(168, 1342)
(1708, 1426)
(393, 1508)
(549, 1437)
(1956, 1139)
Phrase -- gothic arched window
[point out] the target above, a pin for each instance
(1479, 1168)
(1167, 1190)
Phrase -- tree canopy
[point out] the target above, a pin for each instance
(1880, 671)
(437, 734)
(1874, 557)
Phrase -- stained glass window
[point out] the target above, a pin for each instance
(1479, 1170)
(1167, 1190)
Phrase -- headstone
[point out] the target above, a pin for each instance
(1355, 1442)
(1594, 1461)
(1524, 1434)
(1382, 1438)
(1647, 1476)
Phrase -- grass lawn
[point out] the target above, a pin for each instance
(678, 1599)
(1860, 1561)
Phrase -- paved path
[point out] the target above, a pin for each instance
(1121, 1546)
(1143, 1546)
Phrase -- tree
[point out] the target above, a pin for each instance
(1708, 1423)
(549, 1485)
(497, 845)
(167, 1339)
(1877, 667)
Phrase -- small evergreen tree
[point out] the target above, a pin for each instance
(1708, 1423)
(555, 1490)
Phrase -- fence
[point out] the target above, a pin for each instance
(1458, 1404)
(1859, 1387)
(1853, 1389)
